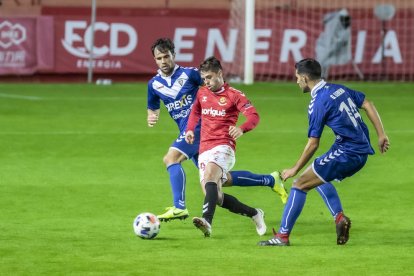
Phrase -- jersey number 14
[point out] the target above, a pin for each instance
(351, 109)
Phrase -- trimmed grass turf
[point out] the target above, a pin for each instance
(78, 163)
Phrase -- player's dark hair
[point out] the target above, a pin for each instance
(210, 64)
(163, 45)
(310, 67)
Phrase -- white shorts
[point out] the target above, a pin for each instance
(223, 156)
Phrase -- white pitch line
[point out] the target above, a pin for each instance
(20, 97)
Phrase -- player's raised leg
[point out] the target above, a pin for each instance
(249, 179)
(232, 204)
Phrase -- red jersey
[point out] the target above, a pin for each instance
(218, 111)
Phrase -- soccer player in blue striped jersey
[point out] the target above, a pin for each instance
(177, 88)
(337, 107)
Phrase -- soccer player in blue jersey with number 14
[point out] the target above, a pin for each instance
(337, 107)
(177, 88)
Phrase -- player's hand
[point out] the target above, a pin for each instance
(189, 137)
(152, 119)
(235, 132)
(288, 173)
(383, 143)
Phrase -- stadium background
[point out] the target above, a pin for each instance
(56, 41)
(78, 163)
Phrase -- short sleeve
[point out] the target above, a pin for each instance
(153, 100)
(316, 115)
(195, 77)
(357, 97)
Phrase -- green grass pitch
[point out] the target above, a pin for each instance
(78, 163)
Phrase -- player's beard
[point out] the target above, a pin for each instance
(306, 89)
(167, 70)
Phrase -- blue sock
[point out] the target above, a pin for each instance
(331, 198)
(245, 178)
(292, 210)
(177, 181)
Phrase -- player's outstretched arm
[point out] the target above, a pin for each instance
(152, 117)
(374, 117)
(308, 152)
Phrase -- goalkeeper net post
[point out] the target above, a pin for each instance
(249, 42)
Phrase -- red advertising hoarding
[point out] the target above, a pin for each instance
(122, 44)
(26, 46)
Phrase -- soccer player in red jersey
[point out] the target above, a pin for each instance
(219, 105)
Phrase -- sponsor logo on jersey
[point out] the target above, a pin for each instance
(181, 81)
(175, 89)
(204, 99)
(213, 112)
(184, 113)
(185, 101)
(222, 101)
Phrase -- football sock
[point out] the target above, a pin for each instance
(338, 217)
(246, 178)
(234, 205)
(293, 208)
(331, 198)
(177, 181)
(210, 201)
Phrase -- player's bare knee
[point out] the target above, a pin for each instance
(229, 181)
(208, 177)
(298, 184)
(167, 160)
(171, 158)
(303, 185)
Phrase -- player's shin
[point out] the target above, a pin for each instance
(331, 198)
(177, 181)
(210, 201)
(292, 210)
(246, 179)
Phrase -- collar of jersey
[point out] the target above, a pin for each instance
(221, 90)
(160, 73)
(318, 86)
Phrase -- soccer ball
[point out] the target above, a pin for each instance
(146, 226)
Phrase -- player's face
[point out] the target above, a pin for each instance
(214, 81)
(165, 61)
(302, 81)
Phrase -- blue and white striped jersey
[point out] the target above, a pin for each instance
(177, 92)
(338, 107)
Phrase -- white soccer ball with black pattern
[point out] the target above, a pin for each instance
(146, 226)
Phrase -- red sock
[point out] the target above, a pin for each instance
(284, 237)
(339, 217)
